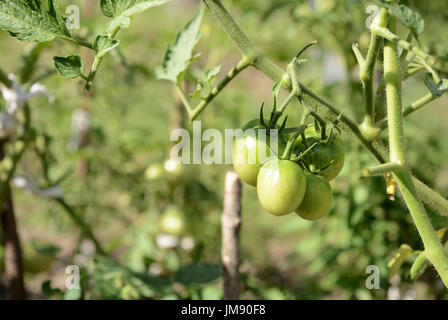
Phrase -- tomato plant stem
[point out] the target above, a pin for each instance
(96, 64)
(418, 265)
(414, 106)
(184, 99)
(390, 36)
(381, 169)
(366, 75)
(5, 80)
(80, 42)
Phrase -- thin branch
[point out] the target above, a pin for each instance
(414, 106)
(96, 64)
(13, 251)
(381, 169)
(79, 42)
(433, 247)
(366, 74)
(388, 35)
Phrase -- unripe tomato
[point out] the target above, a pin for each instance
(252, 149)
(173, 221)
(281, 186)
(317, 201)
(323, 154)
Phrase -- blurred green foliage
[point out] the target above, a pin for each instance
(132, 115)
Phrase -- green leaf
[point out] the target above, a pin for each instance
(437, 89)
(70, 67)
(103, 44)
(197, 274)
(179, 56)
(406, 15)
(33, 20)
(123, 10)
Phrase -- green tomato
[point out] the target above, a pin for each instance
(281, 186)
(173, 221)
(317, 201)
(252, 148)
(323, 154)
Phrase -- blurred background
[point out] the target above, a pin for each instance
(114, 171)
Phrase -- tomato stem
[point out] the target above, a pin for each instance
(392, 71)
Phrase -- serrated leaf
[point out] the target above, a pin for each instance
(437, 89)
(179, 56)
(123, 10)
(33, 20)
(103, 44)
(70, 67)
(395, 263)
(406, 15)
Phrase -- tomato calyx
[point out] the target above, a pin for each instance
(318, 153)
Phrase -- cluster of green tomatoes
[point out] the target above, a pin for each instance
(296, 177)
